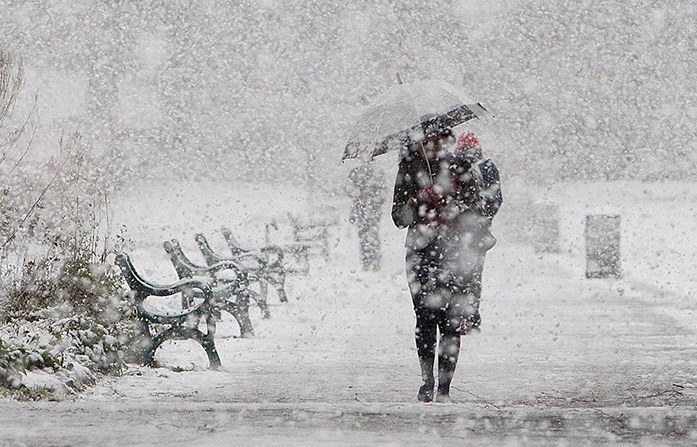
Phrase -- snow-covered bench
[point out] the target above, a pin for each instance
(312, 234)
(297, 251)
(263, 266)
(175, 325)
(302, 239)
(230, 285)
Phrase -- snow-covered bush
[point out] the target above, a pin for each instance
(63, 311)
(18, 356)
(58, 355)
(62, 306)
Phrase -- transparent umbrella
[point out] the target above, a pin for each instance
(406, 113)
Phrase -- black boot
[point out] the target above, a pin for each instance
(426, 390)
(443, 396)
(444, 379)
(449, 351)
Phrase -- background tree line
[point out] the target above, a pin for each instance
(243, 90)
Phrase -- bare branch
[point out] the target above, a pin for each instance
(71, 142)
(26, 149)
(11, 83)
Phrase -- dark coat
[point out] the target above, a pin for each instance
(459, 214)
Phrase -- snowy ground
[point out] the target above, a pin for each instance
(561, 360)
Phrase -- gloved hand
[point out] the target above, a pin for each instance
(429, 201)
(430, 196)
(465, 181)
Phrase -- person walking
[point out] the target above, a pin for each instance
(446, 201)
(367, 188)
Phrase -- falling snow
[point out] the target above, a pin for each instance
(124, 124)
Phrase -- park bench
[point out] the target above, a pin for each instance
(313, 235)
(264, 266)
(298, 251)
(302, 239)
(234, 292)
(178, 325)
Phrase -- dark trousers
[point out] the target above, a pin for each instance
(445, 297)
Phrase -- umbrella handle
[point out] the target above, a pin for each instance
(428, 166)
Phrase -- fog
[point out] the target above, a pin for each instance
(250, 90)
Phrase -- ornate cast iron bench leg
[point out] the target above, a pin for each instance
(232, 294)
(179, 325)
(269, 258)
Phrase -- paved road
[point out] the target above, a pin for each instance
(173, 423)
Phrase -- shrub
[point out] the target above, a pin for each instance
(63, 310)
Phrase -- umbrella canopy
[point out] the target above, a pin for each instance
(406, 113)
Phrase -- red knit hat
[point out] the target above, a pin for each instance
(468, 141)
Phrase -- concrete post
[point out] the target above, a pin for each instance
(603, 246)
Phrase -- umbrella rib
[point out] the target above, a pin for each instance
(390, 122)
(421, 143)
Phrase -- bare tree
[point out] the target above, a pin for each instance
(15, 208)
(11, 82)
(11, 128)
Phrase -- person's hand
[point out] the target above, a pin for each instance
(429, 201)
(465, 182)
(430, 196)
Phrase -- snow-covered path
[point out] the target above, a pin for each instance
(554, 341)
(578, 362)
(560, 360)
